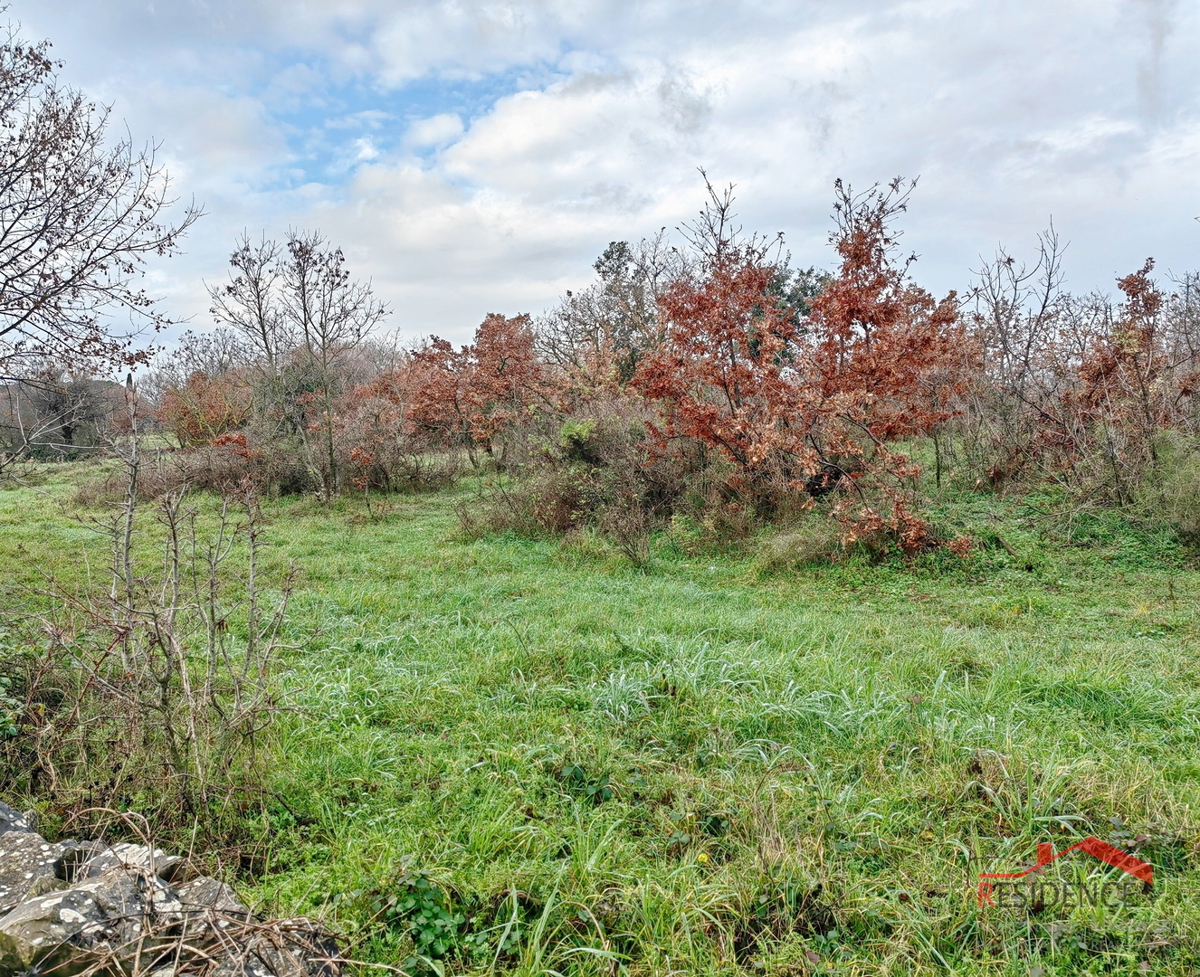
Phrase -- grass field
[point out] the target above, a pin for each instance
(528, 756)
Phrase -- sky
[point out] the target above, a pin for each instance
(476, 157)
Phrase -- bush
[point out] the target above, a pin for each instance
(152, 691)
(379, 447)
(206, 407)
(601, 470)
(1172, 494)
(225, 467)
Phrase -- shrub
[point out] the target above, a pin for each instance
(484, 396)
(136, 693)
(809, 405)
(206, 407)
(1171, 492)
(378, 443)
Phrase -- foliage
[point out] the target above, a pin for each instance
(1171, 490)
(481, 395)
(56, 413)
(423, 910)
(724, 373)
(1074, 389)
(598, 337)
(205, 408)
(379, 441)
(815, 403)
(10, 709)
(595, 788)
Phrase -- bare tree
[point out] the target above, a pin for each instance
(332, 314)
(52, 412)
(79, 216)
(296, 305)
(608, 327)
(249, 301)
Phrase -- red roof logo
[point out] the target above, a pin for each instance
(1100, 850)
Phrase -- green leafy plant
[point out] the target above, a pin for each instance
(595, 788)
(426, 913)
(10, 710)
(447, 929)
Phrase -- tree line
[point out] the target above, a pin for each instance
(699, 377)
(705, 378)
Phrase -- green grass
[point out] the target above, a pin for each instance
(571, 765)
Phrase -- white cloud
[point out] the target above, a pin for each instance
(437, 130)
(475, 155)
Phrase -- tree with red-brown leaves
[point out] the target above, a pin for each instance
(889, 360)
(725, 373)
(506, 381)
(205, 407)
(881, 343)
(1120, 372)
(1135, 379)
(390, 431)
(810, 403)
(475, 396)
(438, 377)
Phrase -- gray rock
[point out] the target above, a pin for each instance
(127, 856)
(13, 820)
(205, 893)
(67, 930)
(87, 907)
(25, 858)
(287, 948)
(44, 886)
(75, 855)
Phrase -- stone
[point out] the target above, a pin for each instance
(25, 858)
(44, 886)
(13, 820)
(50, 931)
(127, 856)
(75, 855)
(287, 948)
(205, 893)
(85, 907)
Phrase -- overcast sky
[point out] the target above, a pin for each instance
(476, 157)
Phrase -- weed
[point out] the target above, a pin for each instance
(595, 788)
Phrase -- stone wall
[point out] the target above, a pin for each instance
(85, 907)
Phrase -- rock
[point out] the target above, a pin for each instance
(49, 932)
(124, 855)
(75, 855)
(44, 886)
(286, 948)
(13, 820)
(209, 910)
(204, 893)
(84, 907)
(25, 858)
